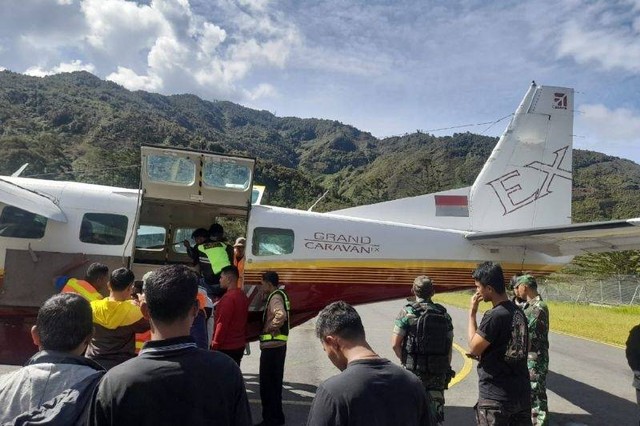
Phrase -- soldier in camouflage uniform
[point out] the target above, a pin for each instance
(405, 324)
(537, 314)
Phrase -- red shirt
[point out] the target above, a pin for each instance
(231, 320)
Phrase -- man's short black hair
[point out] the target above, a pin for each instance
(490, 273)
(230, 269)
(340, 319)
(271, 277)
(200, 232)
(216, 230)
(64, 321)
(170, 292)
(95, 271)
(121, 278)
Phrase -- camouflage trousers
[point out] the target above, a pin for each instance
(436, 397)
(538, 368)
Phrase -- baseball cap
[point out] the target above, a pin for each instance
(240, 242)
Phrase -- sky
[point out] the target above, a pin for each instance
(385, 67)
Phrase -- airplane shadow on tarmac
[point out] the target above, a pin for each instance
(603, 408)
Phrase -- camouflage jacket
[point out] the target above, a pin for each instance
(407, 317)
(537, 314)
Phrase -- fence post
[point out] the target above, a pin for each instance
(634, 295)
(620, 289)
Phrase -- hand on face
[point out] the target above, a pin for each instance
(475, 301)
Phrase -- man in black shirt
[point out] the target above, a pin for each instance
(171, 381)
(371, 390)
(501, 344)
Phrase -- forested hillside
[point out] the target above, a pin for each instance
(75, 126)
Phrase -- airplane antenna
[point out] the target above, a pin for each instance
(318, 200)
(20, 170)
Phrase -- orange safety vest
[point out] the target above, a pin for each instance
(240, 265)
(141, 339)
(83, 288)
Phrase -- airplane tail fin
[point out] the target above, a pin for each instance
(527, 180)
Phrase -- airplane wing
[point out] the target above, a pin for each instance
(567, 240)
(30, 201)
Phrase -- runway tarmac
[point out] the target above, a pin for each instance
(589, 383)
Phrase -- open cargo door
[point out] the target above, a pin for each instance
(183, 190)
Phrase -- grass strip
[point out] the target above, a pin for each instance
(607, 324)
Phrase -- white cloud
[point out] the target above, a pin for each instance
(604, 34)
(167, 45)
(262, 91)
(132, 81)
(255, 4)
(620, 126)
(75, 65)
(114, 25)
(212, 37)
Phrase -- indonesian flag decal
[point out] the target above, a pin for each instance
(452, 205)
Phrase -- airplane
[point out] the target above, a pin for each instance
(517, 212)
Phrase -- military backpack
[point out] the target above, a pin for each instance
(428, 342)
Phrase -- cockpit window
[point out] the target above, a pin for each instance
(18, 223)
(171, 170)
(272, 241)
(103, 228)
(226, 174)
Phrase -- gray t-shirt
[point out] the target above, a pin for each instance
(370, 392)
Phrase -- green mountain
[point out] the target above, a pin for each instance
(75, 126)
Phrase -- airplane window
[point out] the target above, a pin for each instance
(171, 170)
(18, 223)
(182, 234)
(226, 174)
(272, 241)
(150, 237)
(103, 228)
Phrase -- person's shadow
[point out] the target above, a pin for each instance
(296, 399)
(603, 408)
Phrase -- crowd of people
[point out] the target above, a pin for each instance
(90, 370)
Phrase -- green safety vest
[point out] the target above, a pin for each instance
(216, 253)
(284, 330)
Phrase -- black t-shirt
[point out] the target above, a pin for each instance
(172, 382)
(498, 379)
(371, 392)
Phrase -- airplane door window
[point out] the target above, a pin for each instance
(226, 174)
(272, 241)
(18, 223)
(170, 169)
(103, 228)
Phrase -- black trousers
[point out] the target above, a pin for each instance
(235, 354)
(271, 373)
